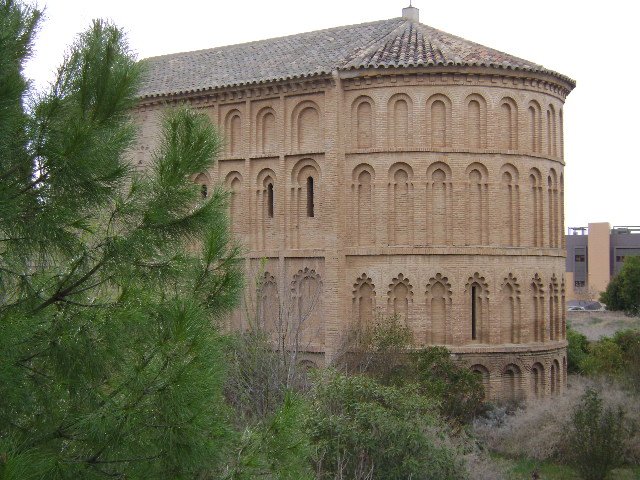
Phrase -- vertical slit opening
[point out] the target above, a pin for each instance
(204, 191)
(270, 200)
(473, 314)
(310, 205)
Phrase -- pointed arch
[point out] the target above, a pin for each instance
(476, 121)
(364, 297)
(477, 301)
(537, 309)
(306, 294)
(554, 309)
(439, 120)
(269, 317)
(477, 204)
(362, 191)
(400, 198)
(363, 125)
(400, 112)
(439, 203)
(509, 205)
(508, 136)
(510, 311)
(438, 308)
(400, 298)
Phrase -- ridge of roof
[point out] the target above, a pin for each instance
(392, 43)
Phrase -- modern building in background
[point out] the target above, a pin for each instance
(594, 255)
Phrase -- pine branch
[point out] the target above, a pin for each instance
(60, 294)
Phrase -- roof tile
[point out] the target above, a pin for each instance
(393, 43)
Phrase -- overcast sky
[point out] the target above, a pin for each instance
(594, 43)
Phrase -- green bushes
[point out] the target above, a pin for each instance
(276, 447)
(385, 352)
(457, 389)
(577, 350)
(618, 356)
(363, 429)
(597, 437)
(604, 357)
(629, 342)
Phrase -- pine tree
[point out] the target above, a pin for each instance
(111, 280)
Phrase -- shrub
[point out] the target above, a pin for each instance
(577, 350)
(597, 437)
(628, 340)
(537, 430)
(457, 389)
(605, 357)
(256, 384)
(275, 448)
(362, 429)
(629, 343)
(384, 351)
(379, 350)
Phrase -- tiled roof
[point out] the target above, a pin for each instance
(397, 42)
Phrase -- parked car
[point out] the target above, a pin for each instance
(576, 309)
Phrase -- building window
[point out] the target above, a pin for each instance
(203, 191)
(580, 258)
(474, 335)
(579, 283)
(619, 258)
(310, 205)
(270, 200)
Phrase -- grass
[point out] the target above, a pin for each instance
(595, 325)
(522, 469)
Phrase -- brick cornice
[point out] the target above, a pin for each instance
(530, 81)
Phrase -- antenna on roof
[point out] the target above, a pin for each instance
(411, 12)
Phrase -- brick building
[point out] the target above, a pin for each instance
(389, 168)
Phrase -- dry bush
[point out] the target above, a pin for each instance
(538, 429)
(481, 466)
(596, 324)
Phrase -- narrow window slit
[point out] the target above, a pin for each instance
(473, 314)
(270, 200)
(310, 205)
